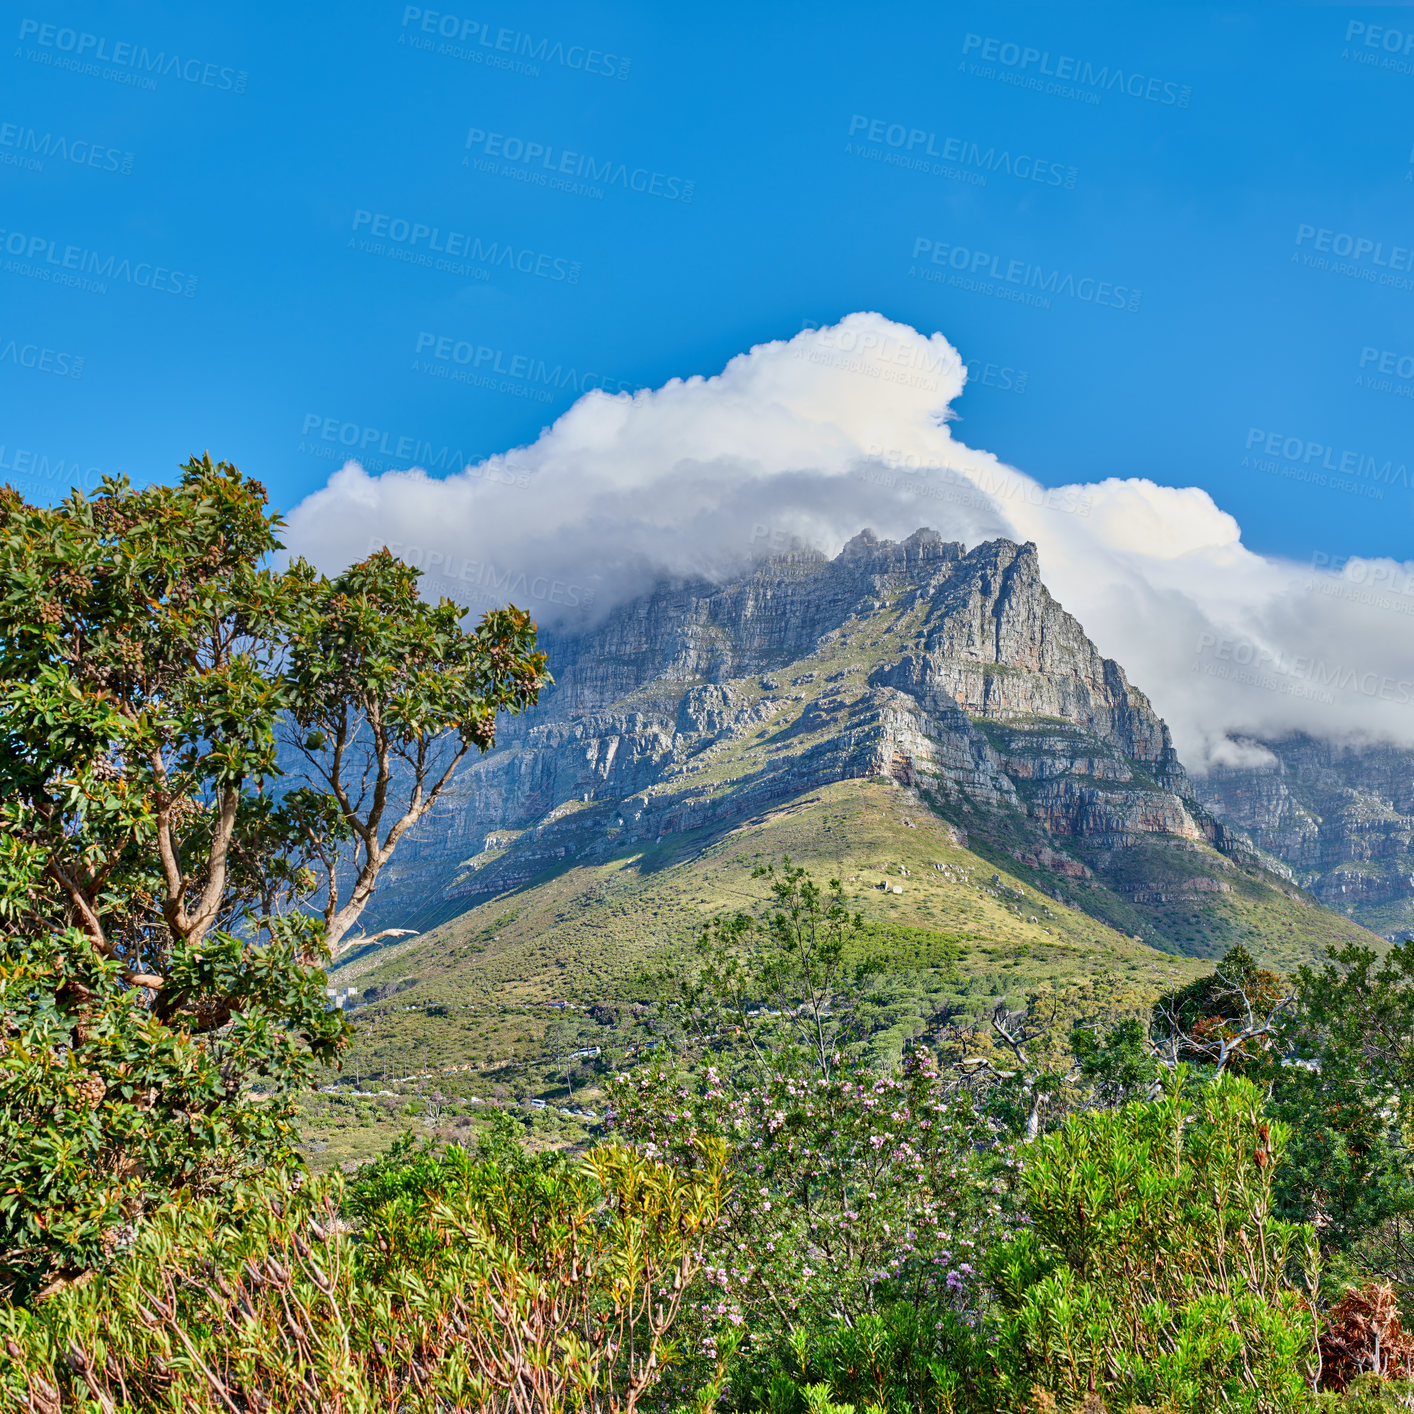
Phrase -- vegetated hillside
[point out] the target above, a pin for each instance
(1340, 814)
(479, 989)
(960, 932)
(902, 707)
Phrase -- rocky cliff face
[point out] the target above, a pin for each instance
(1342, 816)
(955, 673)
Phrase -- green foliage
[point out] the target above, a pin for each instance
(788, 976)
(390, 1194)
(159, 932)
(106, 1106)
(1349, 1103)
(408, 1169)
(540, 1287)
(1370, 1395)
(1117, 1065)
(899, 1361)
(1152, 1270)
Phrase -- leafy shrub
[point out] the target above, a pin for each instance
(902, 1360)
(543, 1287)
(1152, 1271)
(853, 1195)
(1370, 1395)
(1349, 1107)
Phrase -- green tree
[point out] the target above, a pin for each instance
(167, 892)
(1117, 1064)
(793, 988)
(1347, 1091)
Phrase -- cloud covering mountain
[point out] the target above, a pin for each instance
(807, 441)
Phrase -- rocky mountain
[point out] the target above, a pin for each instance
(952, 675)
(1341, 815)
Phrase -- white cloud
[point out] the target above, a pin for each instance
(844, 428)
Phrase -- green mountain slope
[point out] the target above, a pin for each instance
(912, 714)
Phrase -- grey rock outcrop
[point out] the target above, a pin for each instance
(950, 671)
(1341, 815)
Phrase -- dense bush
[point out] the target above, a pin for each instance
(1152, 1271)
(1350, 1103)
(863, 1196)
(897, 1361)
(526, 1286)
(852, 1194)
(859, 1243)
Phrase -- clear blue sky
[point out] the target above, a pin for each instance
(1188, 160)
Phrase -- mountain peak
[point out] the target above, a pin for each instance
(944, 680)
(953, 673)
(925, 546)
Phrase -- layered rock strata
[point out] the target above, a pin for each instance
(950, 671)
(1341, 815)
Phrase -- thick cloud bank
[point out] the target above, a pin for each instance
(842, 428)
